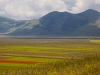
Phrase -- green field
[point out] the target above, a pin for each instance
(41, 51)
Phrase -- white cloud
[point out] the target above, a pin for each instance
(30, 9)
(77, 6)
(81, 5)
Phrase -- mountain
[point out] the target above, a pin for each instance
(86, 23)
(22, 27)
(8, 25)
(59, 23)
(90, 13)
(5, 24)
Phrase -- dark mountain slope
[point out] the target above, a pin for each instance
(90, 14)
(64, 23)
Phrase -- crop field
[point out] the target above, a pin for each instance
(23, 52)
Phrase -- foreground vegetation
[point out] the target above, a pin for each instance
(88, 65)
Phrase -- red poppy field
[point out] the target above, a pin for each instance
(18, 62)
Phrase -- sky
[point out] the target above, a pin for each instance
(34, 9)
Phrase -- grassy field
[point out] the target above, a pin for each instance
(23, 52)
(87, 65)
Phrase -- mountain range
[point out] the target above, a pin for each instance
(86, 23)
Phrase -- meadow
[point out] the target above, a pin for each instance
(26, 52)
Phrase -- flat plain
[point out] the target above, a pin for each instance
(22, 52)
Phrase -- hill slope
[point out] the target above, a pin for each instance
(8, 25)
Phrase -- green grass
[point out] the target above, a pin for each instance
(37, 59)
(95, 41)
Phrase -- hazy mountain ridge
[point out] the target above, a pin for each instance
(8, 25)
(86, 23)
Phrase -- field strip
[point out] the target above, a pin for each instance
(18, 62)
(32, 54)
(45, 54)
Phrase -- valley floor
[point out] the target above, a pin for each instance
(63, 55)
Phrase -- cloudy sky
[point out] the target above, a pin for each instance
(32, 9)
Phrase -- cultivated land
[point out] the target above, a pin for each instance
(18, 52)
